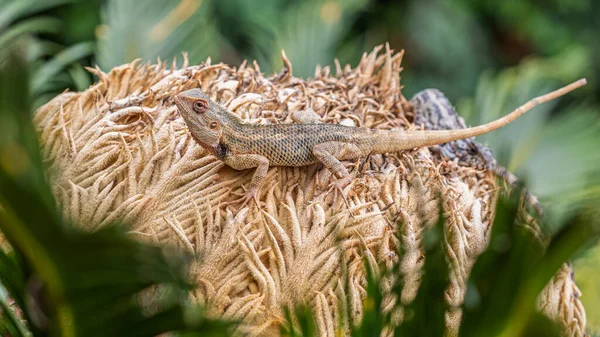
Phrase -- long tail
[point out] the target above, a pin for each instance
(413, 139)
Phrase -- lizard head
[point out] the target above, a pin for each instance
(202, 116)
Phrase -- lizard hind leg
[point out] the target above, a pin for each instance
(330, 154)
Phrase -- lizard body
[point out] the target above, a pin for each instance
(244, 146)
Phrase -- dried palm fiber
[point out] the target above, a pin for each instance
(120, 150)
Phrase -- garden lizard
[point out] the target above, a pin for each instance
(434, 111)
(244, 146)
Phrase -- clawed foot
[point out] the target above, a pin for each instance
(338, 187)
(245, 198)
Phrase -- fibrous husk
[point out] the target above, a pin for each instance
(120, 150)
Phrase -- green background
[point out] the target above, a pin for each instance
(487, 56)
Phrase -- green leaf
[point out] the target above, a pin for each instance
(8, 320)
(305, 319)
(12, 277)
(30, 26)
(554, 154)
(508, 277)
(309, 32)
(40, 24)
(499, 273)
(373, 319)
(80, 77)
(10, 11)
(163, 29)
(425, 315)
(58, 63)
(437, 47)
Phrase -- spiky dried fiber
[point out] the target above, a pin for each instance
(120, 150)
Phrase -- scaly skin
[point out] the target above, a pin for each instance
(243, 146)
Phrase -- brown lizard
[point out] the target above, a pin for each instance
(244, 146)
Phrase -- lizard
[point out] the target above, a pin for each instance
(434, 111)
(244, 146)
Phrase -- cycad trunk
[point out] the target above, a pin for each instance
(120, 150)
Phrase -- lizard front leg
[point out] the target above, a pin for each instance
(248, 161)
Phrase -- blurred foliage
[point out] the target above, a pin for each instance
(502, 288)
(51, 52)
(487, 56)
(309, 31)
(588, 265)
(153, 29)
(554, 153)
(67, 282)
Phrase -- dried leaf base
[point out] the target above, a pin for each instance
(120, 150)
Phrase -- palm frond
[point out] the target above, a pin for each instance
(164, 30)
(308, 31)
(42, 80)
(34, 21)
(9, 322)
(425, 315)
(16, 10)
(437, 50)
(38, 25)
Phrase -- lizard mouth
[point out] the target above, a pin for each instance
(184, 106)
(180, 102)
(192, 120)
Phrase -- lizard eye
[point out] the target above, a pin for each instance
(213, 125)
(200, 106)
